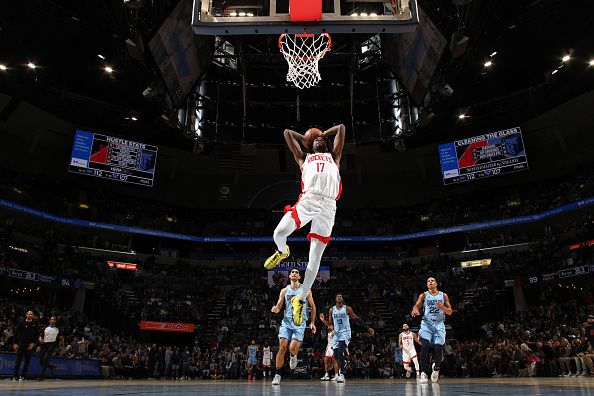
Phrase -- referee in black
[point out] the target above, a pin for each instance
(26, 334)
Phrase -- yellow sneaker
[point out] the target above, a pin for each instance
(276, 258)
(297, 310)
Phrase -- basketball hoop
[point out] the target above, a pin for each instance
(303, 51)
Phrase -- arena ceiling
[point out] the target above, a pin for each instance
(72, 42)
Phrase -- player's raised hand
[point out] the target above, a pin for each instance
(415, 312)
(275, 309)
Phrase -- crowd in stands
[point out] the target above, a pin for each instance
(61, 198)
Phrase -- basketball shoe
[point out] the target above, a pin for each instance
(297, 310)
(276, 258)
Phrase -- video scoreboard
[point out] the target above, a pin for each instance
(487, 155)
(108, 157)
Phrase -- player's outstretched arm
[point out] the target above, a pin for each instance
(445, 307)
(293, 139)
(415, 309)
(400, 340)
(359, 321)
(312, 304)
(323, 320)
(279, 304)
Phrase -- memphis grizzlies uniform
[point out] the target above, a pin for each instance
(432, 325)
(321, 187)
(252, 354)
(288, 329)
(342, 326)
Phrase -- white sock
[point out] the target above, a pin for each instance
(416, 362)
(316, 249)
(284, 228)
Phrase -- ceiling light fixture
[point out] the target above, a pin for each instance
(3, 67)
(554, 71)
(134, 118)
(32, 65)
(101, 56)
(108, 69)
(566, 58)
(488, 64)
(462, 116)
(493, 54)
(591, 63)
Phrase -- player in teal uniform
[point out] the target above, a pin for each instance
(251, 359)
(288, 330)
(436, 305)
(338, 318)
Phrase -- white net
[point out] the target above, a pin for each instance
(303, 52)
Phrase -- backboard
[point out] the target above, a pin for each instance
(254, 17)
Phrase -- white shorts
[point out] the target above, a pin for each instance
(408, 355)
(329, 352)
(319, 210)
(266, 362)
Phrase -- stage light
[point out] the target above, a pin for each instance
(493, 54)
(591, 63)
(488, 64)
(3, 67)
(134, 118)
(101, 56)
(108, 69)
(566, 58)
(555, 71)
(32, 65)
(462, 116)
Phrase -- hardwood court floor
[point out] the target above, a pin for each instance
(445, 387)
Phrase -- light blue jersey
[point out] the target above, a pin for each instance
(252, 354)
(433, 322)
(342, 325)
(288, 329)
(252, 351)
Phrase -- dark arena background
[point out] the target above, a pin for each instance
(147, 158)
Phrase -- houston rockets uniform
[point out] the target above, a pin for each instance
(320, 189)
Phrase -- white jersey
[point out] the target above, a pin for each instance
(329, 350)
(408, 341)
(320, 175)
(266, 356)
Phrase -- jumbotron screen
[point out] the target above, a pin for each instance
(483, 156)
(108, 157)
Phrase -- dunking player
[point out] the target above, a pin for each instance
(436, 305)
(339, 319)
(320, 188)
(406, 341)
(288, 330)
(252, 350)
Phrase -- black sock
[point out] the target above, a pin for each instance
(278, 370)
